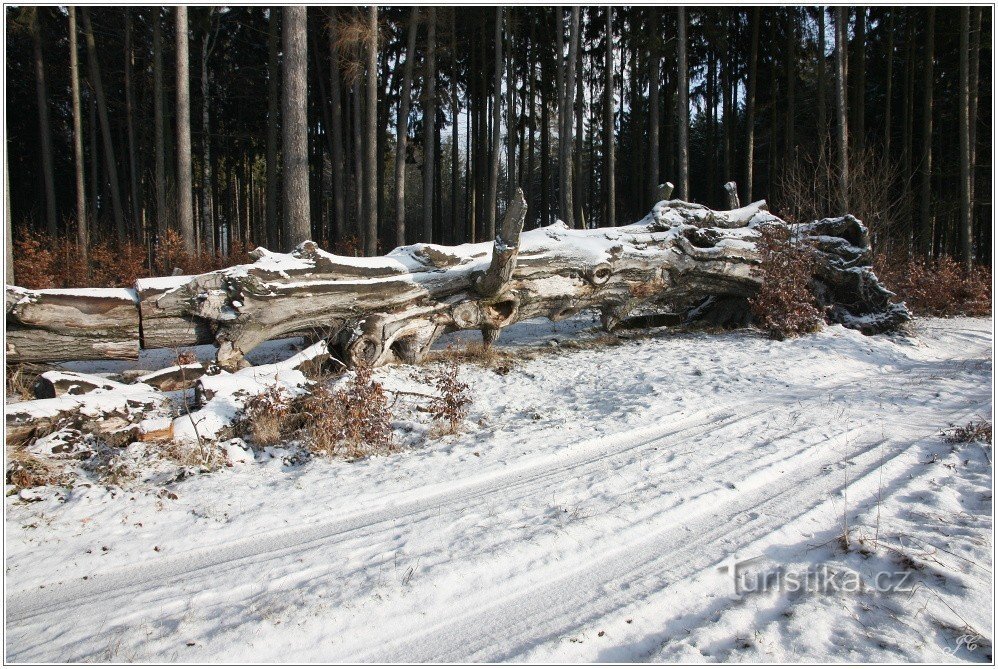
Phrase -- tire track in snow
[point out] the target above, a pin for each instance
(114, 591)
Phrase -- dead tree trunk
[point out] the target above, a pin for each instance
(680, 259)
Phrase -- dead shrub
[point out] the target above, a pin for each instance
(266, 417)
(785, 305)
(943, 287)
(810, 186)
(353, 421)
(451, 406)
(971, 432)
(34, 261)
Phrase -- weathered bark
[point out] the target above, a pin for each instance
(294, 127)
(731, 195)
(394, 310)
(676, 259)
(185, 176)
(54, 324)
(82, 229)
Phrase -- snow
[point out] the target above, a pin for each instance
(581, 515)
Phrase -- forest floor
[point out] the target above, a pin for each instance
(592, 509)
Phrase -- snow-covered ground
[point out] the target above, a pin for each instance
(591, 510)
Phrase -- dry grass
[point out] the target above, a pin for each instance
(20, 382)
(27, 470)
(474, 352)
(266, 417)
(971, 432)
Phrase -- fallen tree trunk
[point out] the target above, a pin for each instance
(682, 258)
(81, 324)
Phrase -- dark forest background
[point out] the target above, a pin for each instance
(295, 116)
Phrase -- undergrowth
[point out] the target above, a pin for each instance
(943, 287)
(785, 306)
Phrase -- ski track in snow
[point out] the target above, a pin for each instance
(585, 520)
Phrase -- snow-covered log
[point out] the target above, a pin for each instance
(77, 324)
(119, 414)
(58, 383)
(682, 258)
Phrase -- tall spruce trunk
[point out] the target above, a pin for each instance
(371, 137)
(7, 237)
(405, 106)
(159, 139)
(82, 228)
(925, 208)
(966, 231)
(491, 198)
(753, 77)
(457, 234)
(559, 65)
(336, 132)
(135, 196)
(889, 94)
(684, 107)
(842, 128)
(110, 161)
(859, 132)
(654, 113)
(273, 227)
(207, 207)
(429, 122)
(975, 49)
(44, 130)
(822, 82)
(294, 127)
(185, 186)
(790, 140)
(567, 139)
(579, 181)
(608, 103)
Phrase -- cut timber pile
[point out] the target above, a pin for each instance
(682, 258)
